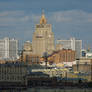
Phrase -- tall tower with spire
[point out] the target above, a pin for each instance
(43, 37)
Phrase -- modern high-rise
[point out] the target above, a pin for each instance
(43, 38)
(8, 49)
(72, 44)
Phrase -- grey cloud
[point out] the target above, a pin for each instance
(11, 13)
(72, 16)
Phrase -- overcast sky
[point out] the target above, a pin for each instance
(69, 18)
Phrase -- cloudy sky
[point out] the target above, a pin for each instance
(69, 18)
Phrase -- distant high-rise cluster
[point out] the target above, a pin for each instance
(72, 44)
(8, 49)
(42, 42)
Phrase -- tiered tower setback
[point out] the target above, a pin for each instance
(43, 38)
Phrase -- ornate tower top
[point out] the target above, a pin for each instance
(43, 19)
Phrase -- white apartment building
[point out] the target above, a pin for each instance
(8, 49)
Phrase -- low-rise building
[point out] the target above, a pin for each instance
(83, 65)
(89, 54)
(27, 55)
(13, 75)
(62, 56)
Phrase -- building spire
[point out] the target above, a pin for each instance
(43, 19)
(43, 12)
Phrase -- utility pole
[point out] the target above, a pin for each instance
(46, 58)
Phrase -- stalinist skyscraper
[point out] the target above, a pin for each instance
(43, 38)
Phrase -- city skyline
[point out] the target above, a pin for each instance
(69, 18)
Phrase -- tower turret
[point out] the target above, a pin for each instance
(43, 19)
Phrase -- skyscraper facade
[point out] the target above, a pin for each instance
(43, 38)
(13, 49)
(72, 44)
(8, 48)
